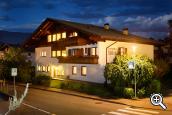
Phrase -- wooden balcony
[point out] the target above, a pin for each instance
(79, 59)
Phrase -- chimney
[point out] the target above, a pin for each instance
(125, 31)
(170, 28)
(106, 26)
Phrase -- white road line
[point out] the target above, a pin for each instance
(36, 108)
(132, 112)
(116, 113)
(142, 110)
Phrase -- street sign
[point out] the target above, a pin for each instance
(13, 71)
(131, 65)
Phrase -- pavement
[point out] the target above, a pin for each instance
(44, 101)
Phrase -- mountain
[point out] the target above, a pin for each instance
(13, 37)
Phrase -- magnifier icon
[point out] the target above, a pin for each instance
(157, 99)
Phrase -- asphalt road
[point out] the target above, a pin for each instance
(39, 102)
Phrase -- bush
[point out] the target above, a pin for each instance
(141, 92)
(118, 91)
(128, 92)
(154, 87)
(42, 80)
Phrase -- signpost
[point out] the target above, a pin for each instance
(131, 66)
(14, 74)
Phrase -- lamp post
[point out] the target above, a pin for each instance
(135, 84)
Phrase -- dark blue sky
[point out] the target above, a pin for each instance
(143, 17)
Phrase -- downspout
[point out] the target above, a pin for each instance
(107, 48)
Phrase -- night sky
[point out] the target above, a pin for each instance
(143, 17)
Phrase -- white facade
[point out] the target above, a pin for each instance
(94, 72)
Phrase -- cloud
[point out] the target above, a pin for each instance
(6, 18)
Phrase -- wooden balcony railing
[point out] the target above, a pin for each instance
(79, 60)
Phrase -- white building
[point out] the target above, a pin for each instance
(77, 51)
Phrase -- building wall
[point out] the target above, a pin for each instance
(140, 49)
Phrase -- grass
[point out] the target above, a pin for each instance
(84, 87)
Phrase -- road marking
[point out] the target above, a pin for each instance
(142, 110)
(116, 113)
(132, 112)
(36, 108)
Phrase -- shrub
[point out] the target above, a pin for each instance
(118, 91)
(154, 87)
(128, 92)
(141, 92)
(42, 80)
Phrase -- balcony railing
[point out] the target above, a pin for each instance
(79, 59)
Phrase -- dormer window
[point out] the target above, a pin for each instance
(64, 35)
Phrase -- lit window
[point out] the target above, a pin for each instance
(43, 53)
(58, 36)
(73, 34)
(49, 38)
(48, 68)
(43, 68)
(58, 53)
(83, 70)
(64, 53)
(54, 37)
(53, 53)
(38, 68)
(122, 51)
(74, 70)
(64, 35)
(93, 51)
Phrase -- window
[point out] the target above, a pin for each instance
(29, 54)
(58, 53)
(73, 34)
(48, 68)
(49, 38)
(44, 68)
(53, 53)
(38, 68)
(93, 51)
(74, 70)
(64, 35)
(43, 53)
(58, 36)
(111, 51)
(122, 51)
(64, 53)
(83, 70)
(54, 37)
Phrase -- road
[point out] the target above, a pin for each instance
(39, 102)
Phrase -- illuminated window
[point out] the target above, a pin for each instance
(48, 68)
(58, 53)
(38, 68)
(58, 36)
(54, 37)
(64, 53)
(83, 70)
(64, 35)
(73, 34)
(44, 68)
(53, 53)
(74, 70)
(49, 38)
(93, 51)
(122, 51)
(43, 53)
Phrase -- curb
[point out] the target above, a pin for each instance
(5, 96)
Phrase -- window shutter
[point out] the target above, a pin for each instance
(89, 51)
(69, 52)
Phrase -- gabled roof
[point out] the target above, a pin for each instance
(100, 33)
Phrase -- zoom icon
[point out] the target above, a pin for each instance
(157, 99)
